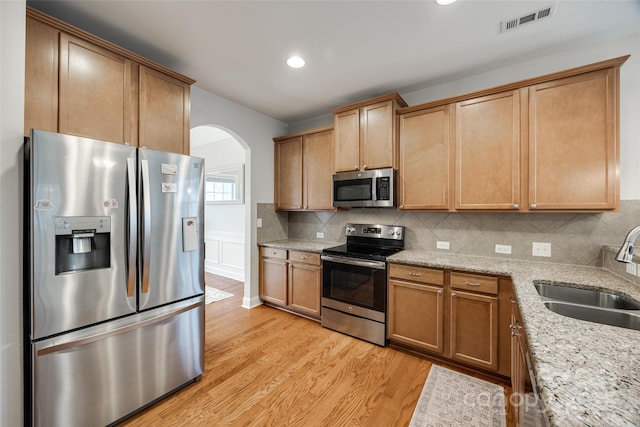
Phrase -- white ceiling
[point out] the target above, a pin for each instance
(354, 50)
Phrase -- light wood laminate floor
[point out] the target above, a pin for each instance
(266, 367)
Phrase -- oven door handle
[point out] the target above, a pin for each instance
(380, 265)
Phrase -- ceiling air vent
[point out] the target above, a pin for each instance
(513, 23)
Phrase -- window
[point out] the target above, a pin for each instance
(224, 185)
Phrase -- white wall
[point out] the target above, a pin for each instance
(224, 224)
(12, 26)
(254, 132)
(629, 95)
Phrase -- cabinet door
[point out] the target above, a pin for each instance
(378, 142)
(424, 159)
(572, 142)
(488, 152)
(164, 112)
(288, 174)
(318, 170)
(416, 315)
(273, 281)
(95, 91)
(304, 288)
(41, 77)
(347, 141)
(474, 329)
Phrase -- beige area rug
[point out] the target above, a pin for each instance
(213, 295)
(450, 398)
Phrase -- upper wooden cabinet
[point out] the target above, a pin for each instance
(288, 173)
(424, 168)
(573, 152)
(549, 143)
(79, 84)
(164, 106)
(303, 170)
(94, 91)
(488, 152)
(366, 134)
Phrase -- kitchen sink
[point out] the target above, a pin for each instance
(596, 298)
(620, 318)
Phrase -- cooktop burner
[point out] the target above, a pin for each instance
(370, 241)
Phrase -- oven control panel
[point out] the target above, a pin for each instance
(375, 231)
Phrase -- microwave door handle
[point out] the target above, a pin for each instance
(146, 222)
(133, 226)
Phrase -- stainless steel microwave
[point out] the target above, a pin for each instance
(366, 189)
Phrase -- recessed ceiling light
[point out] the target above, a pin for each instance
(295, 62)
(445, 2)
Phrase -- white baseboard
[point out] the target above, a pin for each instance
(224, 271)
(251, 302)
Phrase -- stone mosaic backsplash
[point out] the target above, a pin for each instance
(576, 238)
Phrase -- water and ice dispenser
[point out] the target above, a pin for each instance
(82, 243)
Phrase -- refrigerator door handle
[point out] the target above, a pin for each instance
(146, 221)
(133, 227)
(55, 348)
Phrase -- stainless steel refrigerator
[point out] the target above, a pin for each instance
(114, 278)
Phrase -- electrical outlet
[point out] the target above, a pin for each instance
(632, 268)
(442, 245)
(541, 249)
(319, 235)
(503, 249)
(259, 222)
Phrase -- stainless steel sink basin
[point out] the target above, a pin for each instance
(590, 297)
(623, 319)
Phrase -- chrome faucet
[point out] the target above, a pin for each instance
(625, 254)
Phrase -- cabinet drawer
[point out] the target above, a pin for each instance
(306, 257)
(474, 282)
(273, 253)
(417, 274)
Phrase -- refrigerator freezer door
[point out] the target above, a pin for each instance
(172, 203)
(100, 374)
(79, 207)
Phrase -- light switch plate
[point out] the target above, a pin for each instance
(442, 245)
(319, 235)
(259, 222)
(503, 249)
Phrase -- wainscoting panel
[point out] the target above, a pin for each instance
(224, 254)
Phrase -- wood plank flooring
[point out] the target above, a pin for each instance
(266, 367)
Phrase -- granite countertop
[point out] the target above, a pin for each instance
(587, 373)
(300, 245)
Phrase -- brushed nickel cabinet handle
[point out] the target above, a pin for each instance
(439, 291)
(472, 284)
(516, 206)
(415, 274)
(355, 168)
(533, 206)
(453, 295)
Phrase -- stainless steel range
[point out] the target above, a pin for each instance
(354, 281)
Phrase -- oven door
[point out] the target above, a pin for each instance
(355, 282)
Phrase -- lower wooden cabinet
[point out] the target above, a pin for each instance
(452, 315)
(474, 329)
(291, 280)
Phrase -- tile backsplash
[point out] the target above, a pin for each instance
(576, 238)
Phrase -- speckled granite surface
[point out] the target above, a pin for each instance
(588, 373)
(300, 245)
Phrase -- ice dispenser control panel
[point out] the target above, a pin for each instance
(82, 243)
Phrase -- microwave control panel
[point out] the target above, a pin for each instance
(383, 188)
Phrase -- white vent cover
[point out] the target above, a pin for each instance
(513, 23)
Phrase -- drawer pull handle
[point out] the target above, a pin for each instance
(415, 274)
(303, 257)
(472, 284)
(274, 253)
